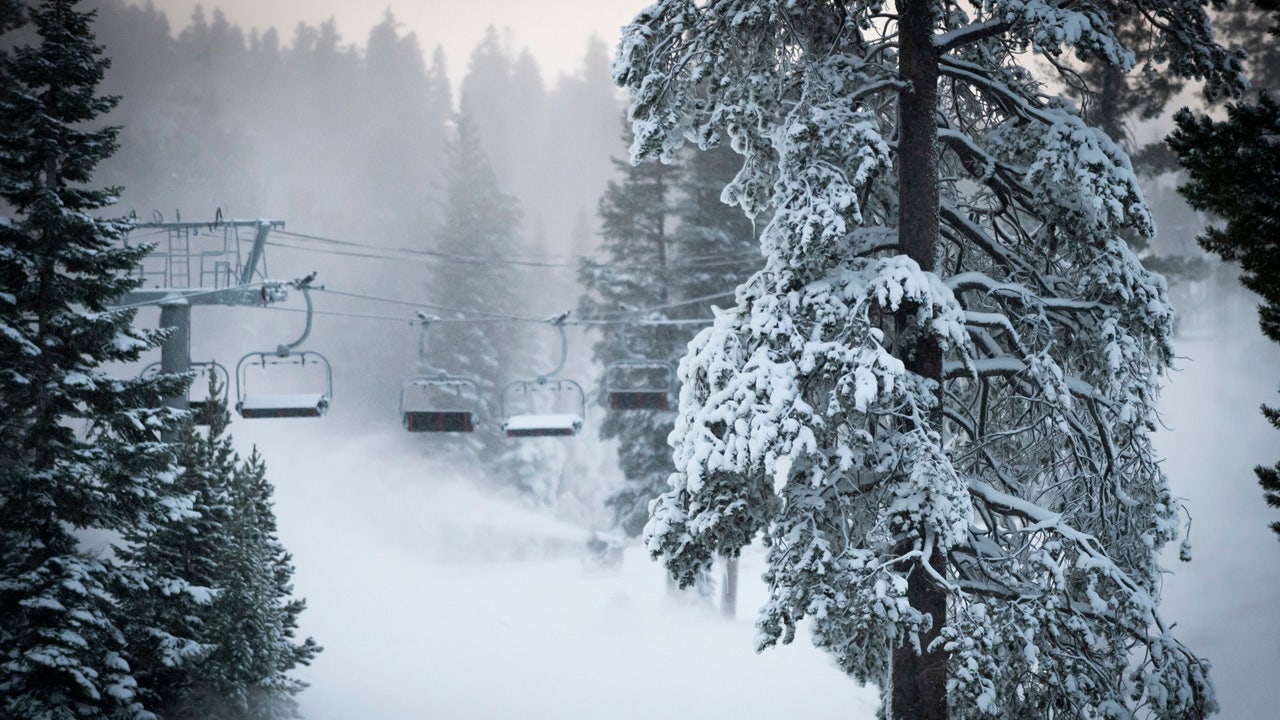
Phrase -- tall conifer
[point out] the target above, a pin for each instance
(637, 218)
(935, 400)
(79, 450)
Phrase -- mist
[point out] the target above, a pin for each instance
(438, 591)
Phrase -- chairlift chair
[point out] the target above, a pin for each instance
(550, 394)
(436, 401)
(257, 404)
(202, 408)
(544, 406)
(639, 384)
(636, 382)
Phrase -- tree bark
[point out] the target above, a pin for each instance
(919, 679)
(729, 594)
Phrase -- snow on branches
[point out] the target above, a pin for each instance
(1024, 459)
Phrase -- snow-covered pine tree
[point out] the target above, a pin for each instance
(252, 621)
(229, 614)
(479, 221)
(79, 450)
(715, 252)
(935, 400)
(636, 217)
(167, 624)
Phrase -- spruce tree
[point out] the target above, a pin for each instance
(252, 620)
(636, 215)
(1234, 170)
(935, 400)
(186, 548)
(79, 449)
(480, 221)
(228, 608)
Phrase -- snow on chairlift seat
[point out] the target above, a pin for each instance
(549, 425)
(284, 406)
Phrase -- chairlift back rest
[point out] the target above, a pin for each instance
(439, 421)
(639, 400)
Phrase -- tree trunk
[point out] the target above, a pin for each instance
(919, 680)
(729, 594)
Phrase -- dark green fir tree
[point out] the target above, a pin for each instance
(253, 618)
(480, 221)
(667, 238)
(80, 452)
(1234, 170)
(637, 216)
(230, 614)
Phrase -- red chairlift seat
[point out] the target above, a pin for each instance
(438, 421)
(202, 409)
(639, 400)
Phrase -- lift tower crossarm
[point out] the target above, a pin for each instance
(241, 290)
(255, 254)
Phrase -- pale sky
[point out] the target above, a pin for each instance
(555, 31)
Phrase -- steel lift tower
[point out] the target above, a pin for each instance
(201, 264)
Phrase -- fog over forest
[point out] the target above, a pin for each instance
(438, 590)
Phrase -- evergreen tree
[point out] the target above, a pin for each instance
(253, 618)
(230, 616)
(79, 450)
(479, 221)
(935, 399)
(1245, 23)
(1234, 169)
(636, 216)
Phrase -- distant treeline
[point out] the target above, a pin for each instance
(341, 135)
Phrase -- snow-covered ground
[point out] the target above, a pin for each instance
(436, 599)
(1227, 600)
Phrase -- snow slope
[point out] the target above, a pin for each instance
(434, 599)
(1227, 600)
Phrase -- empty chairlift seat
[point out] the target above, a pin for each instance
(442, 403)
(543, 408)
(204, 407)
(548, 425)
(306, 376)
(291, 405)
(639, 385)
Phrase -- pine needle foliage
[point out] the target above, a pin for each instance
(80, 450)
(935, 401)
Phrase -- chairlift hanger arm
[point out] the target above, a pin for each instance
(304, 286)
(559, 322)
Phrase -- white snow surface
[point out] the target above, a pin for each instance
(283, 401)
(434, 598)
(553, 421)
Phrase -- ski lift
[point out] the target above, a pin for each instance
(549, 406)
(638, 383)
(202, 409)
(435, 401)
(254, 405)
